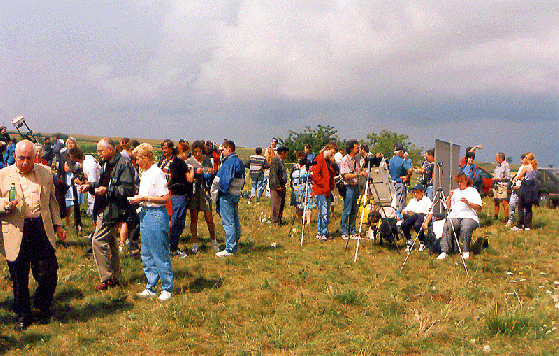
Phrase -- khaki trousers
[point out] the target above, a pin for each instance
(105, 250)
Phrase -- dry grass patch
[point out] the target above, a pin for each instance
(278, 298)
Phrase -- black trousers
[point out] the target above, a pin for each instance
(412, 221)
(35, 254)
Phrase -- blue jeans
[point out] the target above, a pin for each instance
(258, 184)
(154, 228)
(401, 194)
(323, 205)
(229, 212)
(179, 205)
(347, 224)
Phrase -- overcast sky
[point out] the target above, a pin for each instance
(471, 72)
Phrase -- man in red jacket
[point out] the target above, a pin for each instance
(323, 183)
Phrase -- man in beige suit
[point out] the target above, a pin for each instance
(28, 232)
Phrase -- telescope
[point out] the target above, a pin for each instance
(19, 122)
(306, 162)
(373, 160)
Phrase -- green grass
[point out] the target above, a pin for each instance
(276, 297)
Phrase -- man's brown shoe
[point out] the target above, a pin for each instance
(107, 284)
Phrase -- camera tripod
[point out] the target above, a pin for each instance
(365, 196)
(306, 198)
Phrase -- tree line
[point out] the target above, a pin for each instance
(383, 142)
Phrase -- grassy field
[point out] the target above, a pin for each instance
(276, 297)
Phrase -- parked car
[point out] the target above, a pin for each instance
(548, 187)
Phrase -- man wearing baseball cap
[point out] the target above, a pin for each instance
(414, 214)
(400, 171)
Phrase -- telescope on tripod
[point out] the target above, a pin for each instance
(18, 123)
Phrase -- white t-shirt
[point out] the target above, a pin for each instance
(153, 183)
(338, 157)
(518, 182)
(460, 209)
(418, 207)
(91, 169)
(123, 153)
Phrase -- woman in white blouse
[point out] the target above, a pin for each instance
(464, 203)
(152, 196)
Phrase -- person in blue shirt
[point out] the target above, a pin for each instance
(400, 171)
(310, 154)
(9, 153)
(472, 171)
(228, 183)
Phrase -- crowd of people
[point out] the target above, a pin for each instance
(313, 181)
(135, 199)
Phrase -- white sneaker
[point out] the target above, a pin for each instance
(215, 245)
(223, 253)
(466, 255)
(179, 253)
(515, 228)
(355, 237)
(165, 296)
(421, 247)
(146, 293)
(195, 248)
(442, 256)
(527, 229)
(345, 237)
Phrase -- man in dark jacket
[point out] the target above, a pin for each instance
(278, 180)
(226, 189)
(111, 208)
(48, 151)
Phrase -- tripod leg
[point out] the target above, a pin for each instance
(356, 249)
(305, 201)
(361, 222)
(411, 249)
(365, 196)
(459, 248)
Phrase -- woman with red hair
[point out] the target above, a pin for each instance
(463, 202)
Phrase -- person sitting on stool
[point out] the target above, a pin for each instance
(414, 215)
(464, 203)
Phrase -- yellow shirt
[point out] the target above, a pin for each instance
(31, 194)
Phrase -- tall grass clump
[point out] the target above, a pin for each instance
(509, 322)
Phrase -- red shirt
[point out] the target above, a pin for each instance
(323, 177)
(216, 158)
(42, 161)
